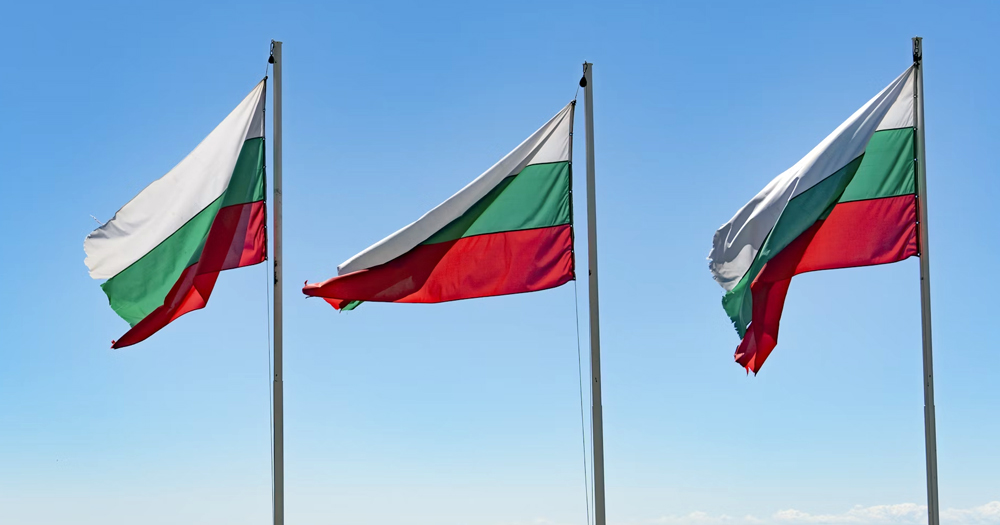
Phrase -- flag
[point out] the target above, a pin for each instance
(508, 231)
(163, 250)
(850, 202)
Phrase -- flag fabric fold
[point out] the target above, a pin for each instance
(508, 231)
(162, 252)
(850, 202)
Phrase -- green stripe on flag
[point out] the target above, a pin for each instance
(887, 168)
(141, 288)
(537, 197)
(247, 184)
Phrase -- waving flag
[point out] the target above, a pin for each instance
(850, 202)
(508, 231)
(163, 250)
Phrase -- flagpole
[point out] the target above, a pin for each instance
(597, 417)
(278, 392)
(930, 432)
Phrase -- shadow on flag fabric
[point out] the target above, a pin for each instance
(508, 231)
(163, 250)
(850, 202)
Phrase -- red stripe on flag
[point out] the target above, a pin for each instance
(478, 266)
(237, 238)
(861, 233)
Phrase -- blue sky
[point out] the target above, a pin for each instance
(468, 413)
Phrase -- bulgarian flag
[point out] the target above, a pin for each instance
(508, 231)
(850, 202)
(162, 252)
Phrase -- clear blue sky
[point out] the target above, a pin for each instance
(468, 413)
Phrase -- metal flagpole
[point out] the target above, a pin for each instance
(596, 413)
(930, 432)
(279, 419)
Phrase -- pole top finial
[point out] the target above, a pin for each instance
(918, 51)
